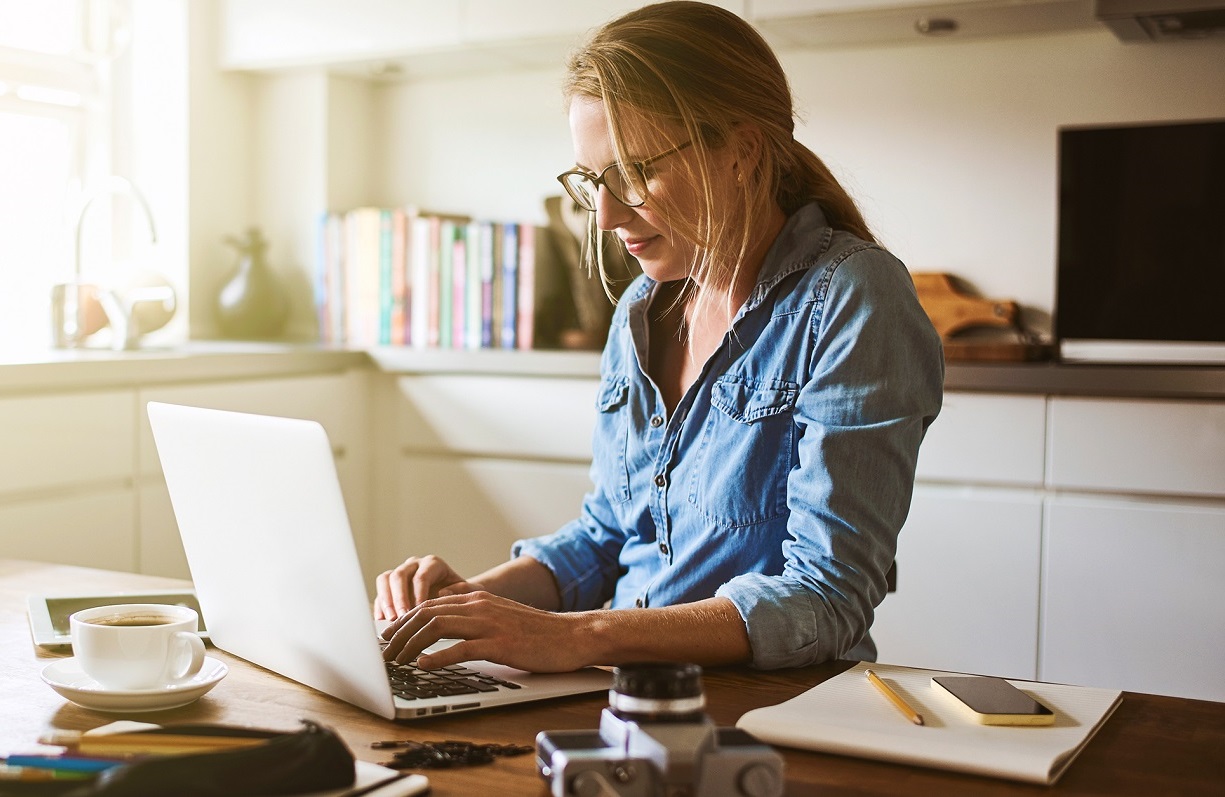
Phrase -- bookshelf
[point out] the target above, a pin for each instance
(400, 277)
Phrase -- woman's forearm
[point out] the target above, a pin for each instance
(522, 579)
(709, 632)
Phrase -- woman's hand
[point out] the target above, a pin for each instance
(489, 627)
(416, 580)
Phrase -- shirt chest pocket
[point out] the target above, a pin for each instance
(746, 452)
(612, 436)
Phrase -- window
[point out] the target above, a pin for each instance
(54, 121)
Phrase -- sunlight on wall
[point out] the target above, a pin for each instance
(35, 159)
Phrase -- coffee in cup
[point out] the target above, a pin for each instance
(135, 646)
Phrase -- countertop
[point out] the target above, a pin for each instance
(1045, 378)
(95, 369)
(88, 369)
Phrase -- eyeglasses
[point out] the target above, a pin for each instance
(628, 186)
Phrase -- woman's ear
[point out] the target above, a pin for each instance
(747, 146)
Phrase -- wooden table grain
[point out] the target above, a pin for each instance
(1152, 745)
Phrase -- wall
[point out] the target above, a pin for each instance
(950, 146)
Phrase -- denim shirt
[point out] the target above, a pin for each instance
(784, 474)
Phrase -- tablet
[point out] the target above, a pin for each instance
(49, 613)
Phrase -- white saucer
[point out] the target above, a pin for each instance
(66, 677)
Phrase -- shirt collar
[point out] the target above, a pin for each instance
(805, 235)
(792, 251)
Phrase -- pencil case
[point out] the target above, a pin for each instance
(312, 759)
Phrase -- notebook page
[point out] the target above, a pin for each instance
(848, 716)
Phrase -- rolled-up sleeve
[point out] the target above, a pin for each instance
(582, 555)
(876, 382)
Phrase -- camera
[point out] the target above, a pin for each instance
(655, 740)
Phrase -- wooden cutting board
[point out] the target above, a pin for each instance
(952, 310)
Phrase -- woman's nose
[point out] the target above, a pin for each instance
(610, 213)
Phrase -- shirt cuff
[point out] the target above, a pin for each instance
(788, 624)
(580, 580)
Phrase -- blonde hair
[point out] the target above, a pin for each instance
(706, 71)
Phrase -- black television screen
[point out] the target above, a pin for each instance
(1141, 253)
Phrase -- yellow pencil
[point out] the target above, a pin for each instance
(147, 743)
(894, 698)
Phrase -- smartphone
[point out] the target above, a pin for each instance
(993, 701)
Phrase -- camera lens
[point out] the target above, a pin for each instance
(657, 692)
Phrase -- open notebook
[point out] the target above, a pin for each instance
(848, 716)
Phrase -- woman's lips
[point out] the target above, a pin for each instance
(635, 246)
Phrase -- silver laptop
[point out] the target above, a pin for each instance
(267, 538)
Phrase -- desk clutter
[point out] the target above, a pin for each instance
(656, 738)
(447, 754)
(850, 715)
(131, 657)
(127, 759)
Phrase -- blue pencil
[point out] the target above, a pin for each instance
(61, 763)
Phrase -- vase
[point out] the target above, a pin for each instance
(252, 303)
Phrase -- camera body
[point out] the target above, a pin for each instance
(655, 741)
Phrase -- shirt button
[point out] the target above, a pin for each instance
(638, 603)
(660, 481)
(657, 421)
(663, 548)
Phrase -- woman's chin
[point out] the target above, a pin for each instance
(663, 269)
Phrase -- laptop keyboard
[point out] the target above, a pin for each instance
(410, 682)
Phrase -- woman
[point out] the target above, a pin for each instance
(765, 388)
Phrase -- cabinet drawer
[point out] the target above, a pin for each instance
(88, 529)
(1133, 596)
(278, 33)
(986, 439)
(967, 592)
(336, 401)
(498, 20)
(1175, 447)
(497, 415)
(58, 440)
(470, 511)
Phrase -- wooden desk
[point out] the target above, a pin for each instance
(1152, 745)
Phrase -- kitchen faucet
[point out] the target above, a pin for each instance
(121, 311)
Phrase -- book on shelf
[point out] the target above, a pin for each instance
(401, 277)
(525, 321)
(510, 285)
(400, 287)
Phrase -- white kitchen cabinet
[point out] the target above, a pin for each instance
(337, 401)
(816, 23)
(982, 438)
(66, 477)
(63, 439)
(87, 527)
(1133, 446)
(466, 36)
(1132, 595)
(469, 510)
(500, 21)
(456, 36)
(271, 34)
(478, 460)
(514, 417)
(967, 594)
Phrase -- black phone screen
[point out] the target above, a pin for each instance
(988, 695)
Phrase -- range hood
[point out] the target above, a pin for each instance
(1161, 20)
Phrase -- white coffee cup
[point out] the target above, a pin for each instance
(134, 646)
